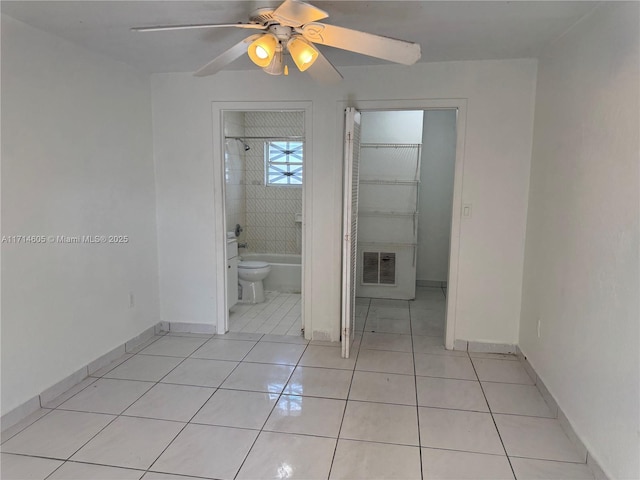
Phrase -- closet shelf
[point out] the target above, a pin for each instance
(390, 145)
(407, 183)
(379, 213)
(387, 244)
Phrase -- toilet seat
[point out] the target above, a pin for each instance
(252, 264)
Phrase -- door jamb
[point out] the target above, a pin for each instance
(460, 104)
(221, 312)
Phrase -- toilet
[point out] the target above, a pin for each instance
(250, 276)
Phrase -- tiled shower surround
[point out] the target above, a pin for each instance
(267, 213)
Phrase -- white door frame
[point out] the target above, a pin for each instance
(460, 104)
(221, 313)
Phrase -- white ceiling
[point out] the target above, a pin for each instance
(447, 31)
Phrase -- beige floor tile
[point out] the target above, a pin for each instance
(85, 471)
(279, 353)
(170, 402)
(529, 469)
(20, 467)
(383, 387)
(58, 434)
(107, 395)
(538, 438)
(386, 341)
(144, 368)
(450, 393)
(380, 422)
(129, 442)
(444, 366)
(217, 349)
(60, 399)
(385, 361)
(459, 430)
(452, 465)
(284, 455)
(200, 372)
(259, 377)
(388, 325)
(386, 312)
(367, 460)
(167, 476)
(306, 415)
(24, 423)
(207, 451)
(237, 408)
(516, 399)
(428, 327)
(434, 345)
(298, 340)
(504, 371)
(174, 346)
(327, 357)
(319, 382)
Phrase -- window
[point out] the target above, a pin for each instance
(284, 163)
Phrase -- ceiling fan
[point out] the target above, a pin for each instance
(293, 28)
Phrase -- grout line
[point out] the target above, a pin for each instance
(270, 413)
(346, 403)
(216, 389)
(493, 418)
(152, 386)
(201, 406)
(415, 382)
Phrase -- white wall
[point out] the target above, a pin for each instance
(76, 160)
(496, 176)
(581, 263)
(235, 173)
(392, 127)
(436, 194)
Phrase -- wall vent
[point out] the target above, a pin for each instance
(379, 268)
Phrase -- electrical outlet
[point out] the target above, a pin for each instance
(132, 300)
(539, 328)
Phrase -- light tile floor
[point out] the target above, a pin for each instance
(279, 314)
(253, 406)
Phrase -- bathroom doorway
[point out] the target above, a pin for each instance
(408, 190)
(263, 164)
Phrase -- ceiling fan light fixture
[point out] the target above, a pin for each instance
(262, 50)
(302, 52)
(276, 67)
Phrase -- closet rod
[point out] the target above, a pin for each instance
(274, 137)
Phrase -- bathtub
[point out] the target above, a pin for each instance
(286, 271)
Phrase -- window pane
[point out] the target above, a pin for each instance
(284, 163)
(289, 152)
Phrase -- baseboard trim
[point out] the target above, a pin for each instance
(591, 462)
(184, 327)
(32, 405)
(461, 345)
(484, 347)
(19, 413)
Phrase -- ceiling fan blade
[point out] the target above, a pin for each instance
(159, 28)
(293, 13)
(323, 72)
(387, 48)
(221, 61)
